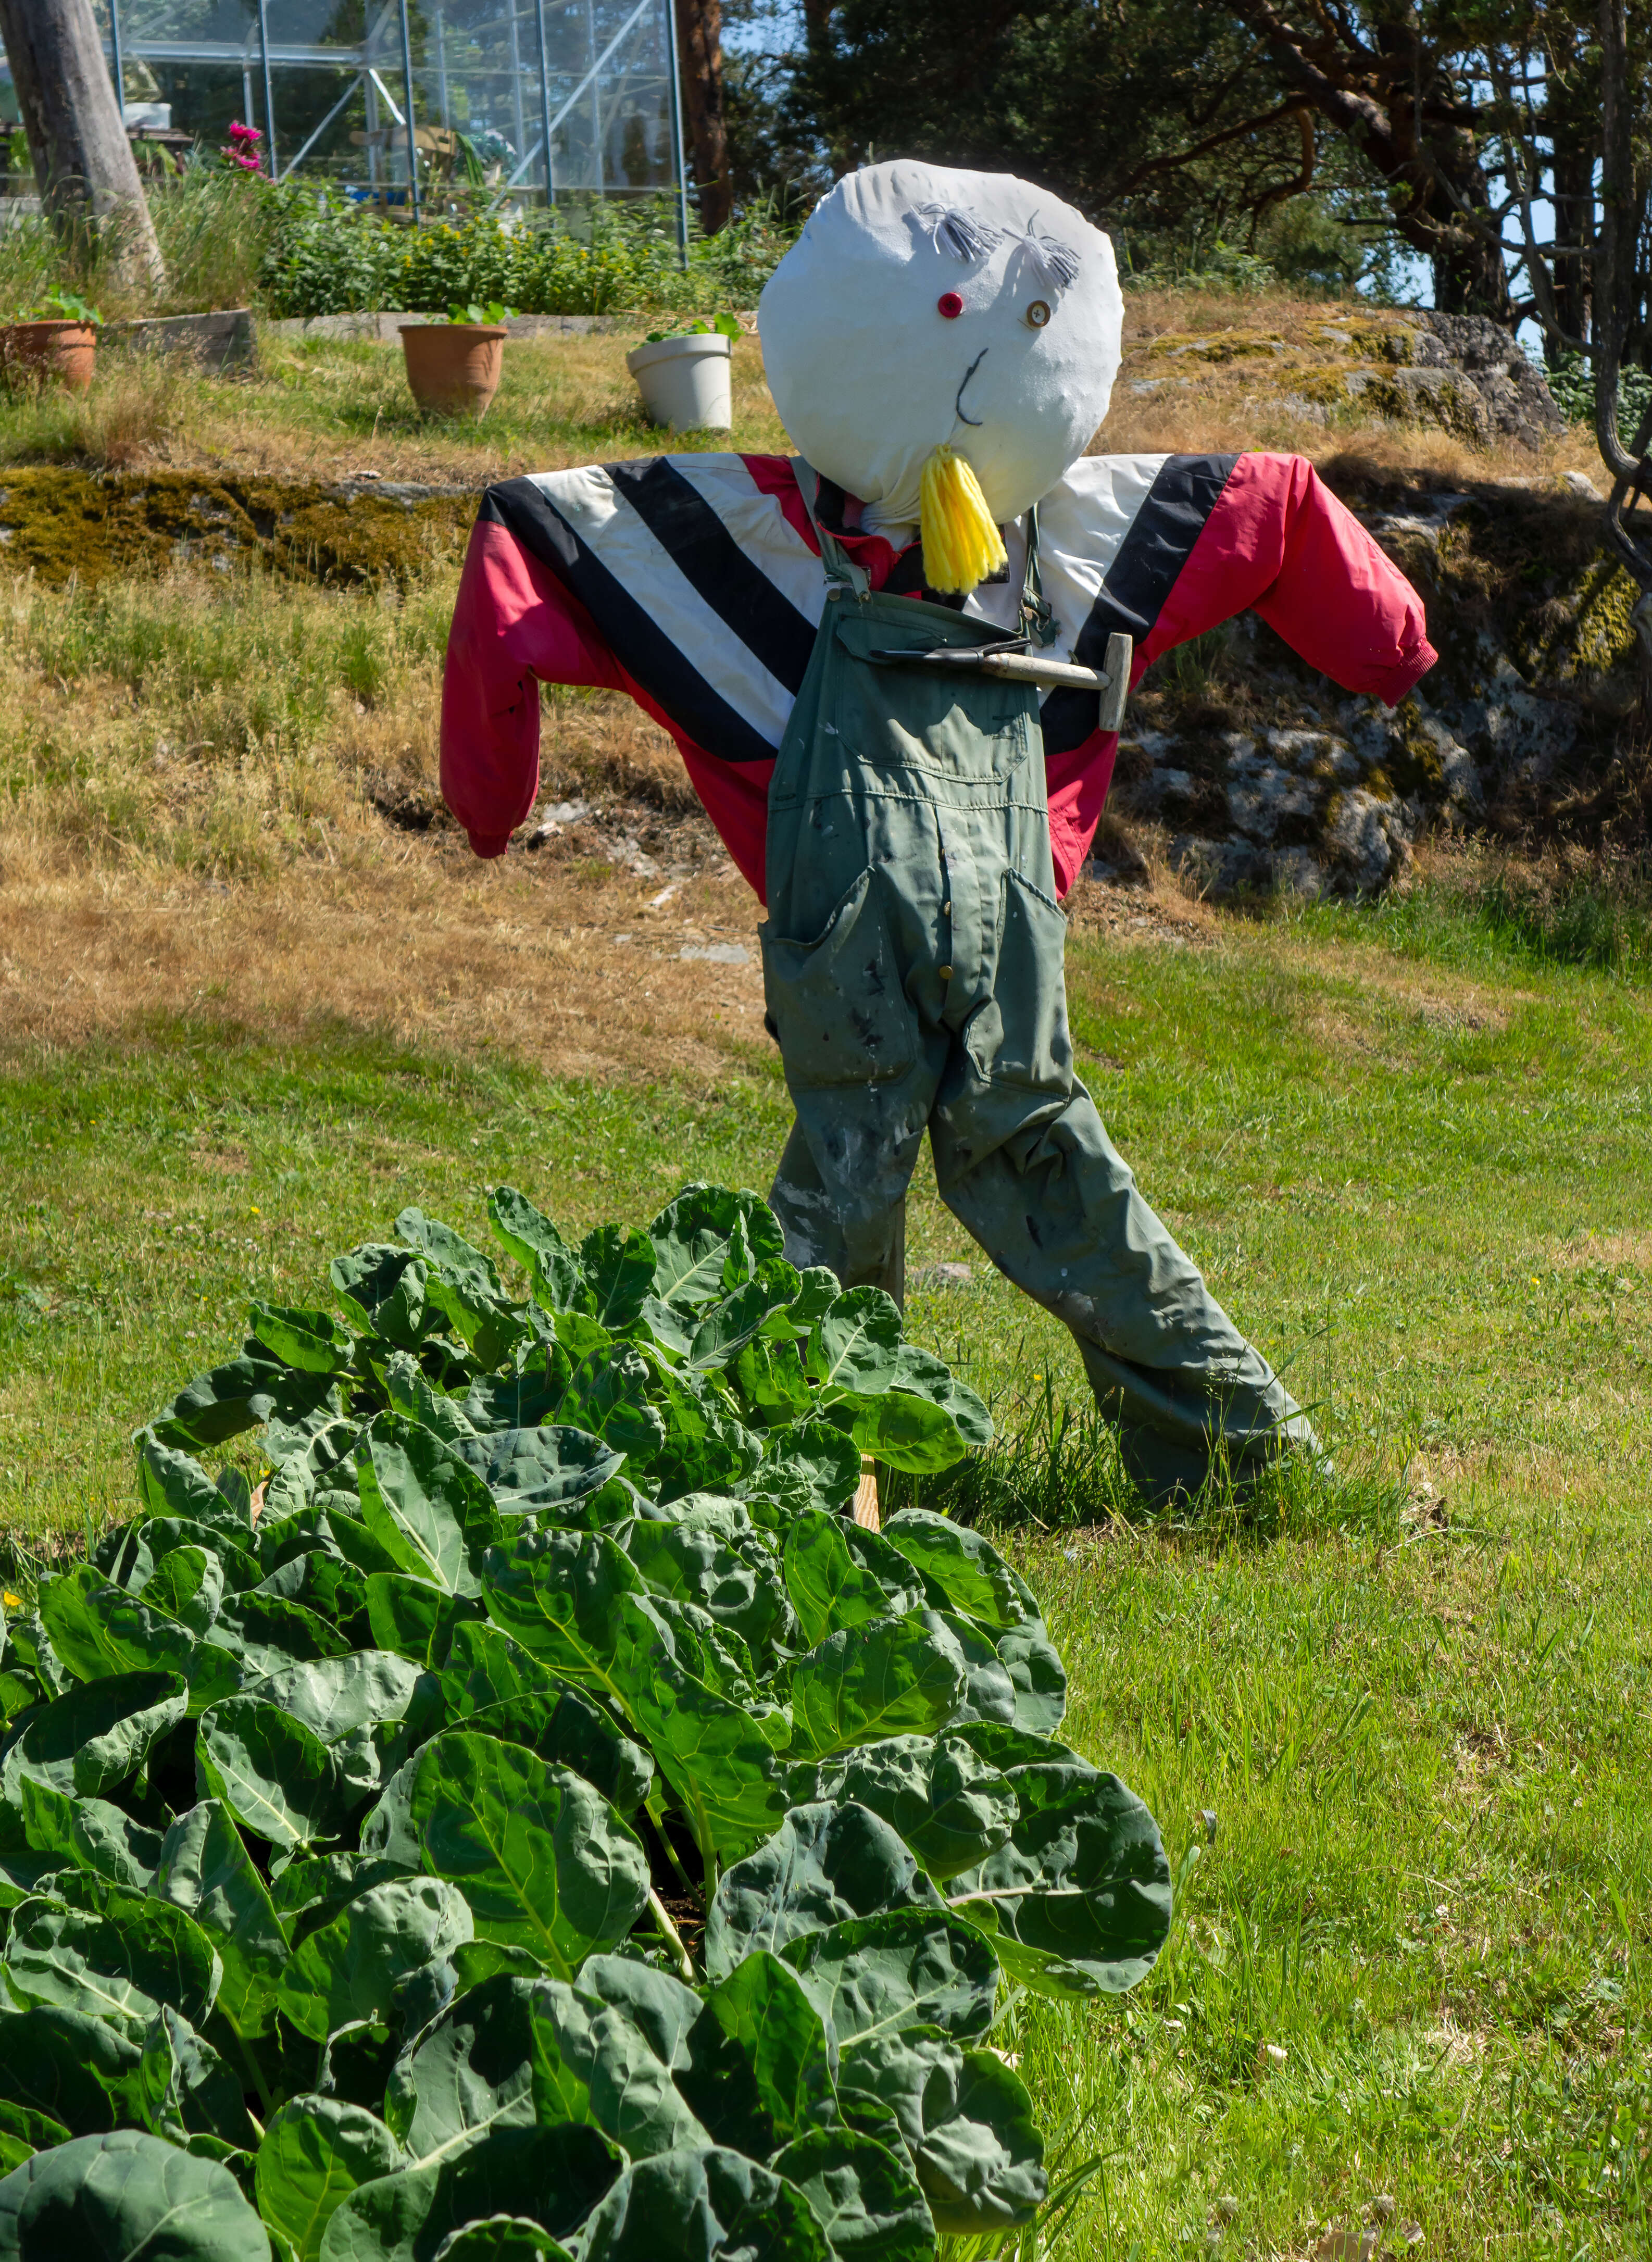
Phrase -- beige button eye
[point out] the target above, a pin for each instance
(1038, 314)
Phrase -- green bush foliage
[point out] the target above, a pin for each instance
(546, 1816)
(597, 257)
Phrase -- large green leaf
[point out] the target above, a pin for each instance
(205, 1870)
(240, 1395)
(87, 1834)
(890, 1677)
(485, 1664)
(757, 2069)
(823, 1865)
(697, 1558)
(542, 1859)
(605, 2051)
(265, 1634)
(618, 1268)
(384, 1289)
(312, 1340)
(553, 2177)
(275, 1775)
(988, 1693)
(556, 1592)
(831, 1584)
(315, 2153)
(97, 1629)
(719, 1764)
(173, 1483)
(967, 2121)
(116, 1957)
(539, 1469)
(705, 1449)
(568, 1729)
(424, 1505)
(1078, 1902)
(533, 1241)
(965, 1565)
(952, 1807)
(189, 2091)
(470, 2071)
(821, 1460)
(908, 1433)
(925, 1376)
(96, 1734)
(864, 2199)
(905, 1967)
(348, 1972)
(188, 1584)
(415, 1620)
(77, 2069)
(707, 1241)
(127, 2197)
(853, 1344)
(707, 2206)
(335, 1697)
(1038, 1677)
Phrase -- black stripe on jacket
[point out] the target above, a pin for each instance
(1143, 573)
(640, 645)
(706, 554)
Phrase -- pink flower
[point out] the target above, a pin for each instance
(239, 133)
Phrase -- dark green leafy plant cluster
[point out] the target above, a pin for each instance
(323, 256)
(535, 1821)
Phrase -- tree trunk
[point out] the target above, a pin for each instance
(700, 46)
(83, 159)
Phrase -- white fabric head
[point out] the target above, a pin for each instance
(868, 373)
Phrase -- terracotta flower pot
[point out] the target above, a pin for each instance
(57, 353)
(454, 366)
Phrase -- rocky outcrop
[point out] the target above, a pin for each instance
(1250, 773)
(1459, 372)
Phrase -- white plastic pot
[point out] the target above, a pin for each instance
(686, 382)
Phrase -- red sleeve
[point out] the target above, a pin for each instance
(1280, 544)
(514, 626)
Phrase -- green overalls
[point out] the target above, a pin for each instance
(912, 968)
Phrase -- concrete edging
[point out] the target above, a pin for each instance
(386, 328)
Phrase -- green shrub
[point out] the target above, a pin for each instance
(546, 1814)
(597, 257)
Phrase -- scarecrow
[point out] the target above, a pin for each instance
(895, 667)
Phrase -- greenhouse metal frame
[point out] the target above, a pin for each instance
(546, 98)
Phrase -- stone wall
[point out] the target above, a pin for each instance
(1250, 772)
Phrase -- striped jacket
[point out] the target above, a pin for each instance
(694, 583)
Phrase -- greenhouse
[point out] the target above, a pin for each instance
(403, 104)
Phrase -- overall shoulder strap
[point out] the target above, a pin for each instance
(841, 568)
(1038, 622)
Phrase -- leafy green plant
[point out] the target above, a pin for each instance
(59, 304)
(535, 1813)
(723, 325)
(494, 311)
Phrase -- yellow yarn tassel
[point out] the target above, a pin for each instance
(962, 546)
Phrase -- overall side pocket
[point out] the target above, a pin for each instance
(836, 1006)
(1020, 1035)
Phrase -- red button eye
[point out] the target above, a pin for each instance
(950, 305)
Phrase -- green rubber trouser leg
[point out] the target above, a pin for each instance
(869, 1252)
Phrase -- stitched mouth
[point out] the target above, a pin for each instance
(957, 404)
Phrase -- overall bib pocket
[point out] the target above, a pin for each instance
(889, 714)
(836, 1006)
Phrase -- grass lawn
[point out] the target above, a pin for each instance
(1413, 1159)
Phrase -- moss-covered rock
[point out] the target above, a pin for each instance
(57, 523)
